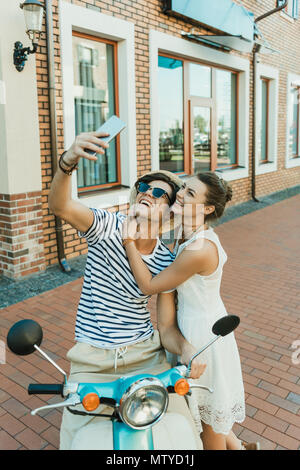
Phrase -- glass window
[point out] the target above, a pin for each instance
(201, 139)
(207, 138)
(171, 147)
(292, 8)
(94, 99)
(200, 80)
(294, 122)
(264, 120)
(226, 84)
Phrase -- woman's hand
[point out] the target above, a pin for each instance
(86, 140)
(129, 231)
(197, 368)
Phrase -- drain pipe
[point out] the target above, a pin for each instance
(253, 176)
(256, 50)
(53, 129)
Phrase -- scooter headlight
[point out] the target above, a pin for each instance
(144, 403)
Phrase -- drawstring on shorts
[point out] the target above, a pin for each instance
(119, 353)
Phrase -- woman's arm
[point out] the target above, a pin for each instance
(172, 338)
(188, 263)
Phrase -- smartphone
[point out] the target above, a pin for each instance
(113, 126)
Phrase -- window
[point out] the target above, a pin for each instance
(171, 153)
(264, 120)
(197, 116)
(292, 7)
(293, 135)
(94, 64)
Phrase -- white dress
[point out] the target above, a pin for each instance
(199, 307)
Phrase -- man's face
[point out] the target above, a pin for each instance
(150, 207)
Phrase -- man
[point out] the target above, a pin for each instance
(113, 329)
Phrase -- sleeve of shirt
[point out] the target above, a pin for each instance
(103, 226)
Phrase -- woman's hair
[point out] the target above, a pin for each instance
(155, 176)
(218, 193)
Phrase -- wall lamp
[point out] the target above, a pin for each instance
(33, 12)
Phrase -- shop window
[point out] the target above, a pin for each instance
(198, 116)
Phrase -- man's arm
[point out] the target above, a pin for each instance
(171, 337)
(60, 196)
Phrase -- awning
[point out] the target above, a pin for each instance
(225, 16)
(227, 42)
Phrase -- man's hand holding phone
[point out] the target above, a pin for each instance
(86, 141)
(89, 144)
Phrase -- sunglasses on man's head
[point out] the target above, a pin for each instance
(156, 192)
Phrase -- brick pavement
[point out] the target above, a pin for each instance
(260, 285)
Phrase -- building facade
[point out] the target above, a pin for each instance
(189, 103)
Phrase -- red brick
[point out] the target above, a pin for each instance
(293, 431)
(254, 425)
(7, 442)
(271, 421)
(10, 424)
(262, 405)
(289, 417)
(282, 439)
(31, 440)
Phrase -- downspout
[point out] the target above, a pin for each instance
(53, 128)
(254, 63)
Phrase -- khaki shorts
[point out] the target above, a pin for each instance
(91, 364)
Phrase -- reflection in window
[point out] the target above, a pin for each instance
(294, 122)
(171, 148)
(202, 140)
(200, 80)
(226, 84)
(94, 99)
(264, 120)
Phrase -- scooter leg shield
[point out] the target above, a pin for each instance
(96, 435)
(174, 432)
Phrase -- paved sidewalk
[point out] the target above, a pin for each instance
(260, 284)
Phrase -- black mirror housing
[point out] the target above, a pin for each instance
(22, 337)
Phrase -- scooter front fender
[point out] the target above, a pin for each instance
(173, 432)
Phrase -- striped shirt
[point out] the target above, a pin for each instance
(112, 310)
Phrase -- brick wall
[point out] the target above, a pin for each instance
(147, 14)
(21, 234)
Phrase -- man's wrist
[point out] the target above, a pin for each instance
(66, 167)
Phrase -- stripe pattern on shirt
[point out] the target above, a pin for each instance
(112, 310)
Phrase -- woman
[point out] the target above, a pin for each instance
(196, 274)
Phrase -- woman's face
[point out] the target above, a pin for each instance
(190, 202)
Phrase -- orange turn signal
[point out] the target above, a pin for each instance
(91, 401)
(181, 387)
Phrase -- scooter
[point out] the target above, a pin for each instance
(139, 403)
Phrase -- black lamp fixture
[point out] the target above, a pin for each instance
(33, 12)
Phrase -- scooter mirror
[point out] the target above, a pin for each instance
(225, 325)
(23, 336)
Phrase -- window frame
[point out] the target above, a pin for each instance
(295, 8)
(88, 189)
(267, 159)
(272, 75)
(296, 87)
(78, 18)
(192, 100)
